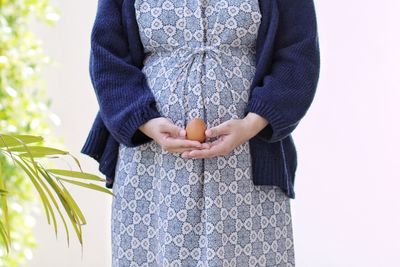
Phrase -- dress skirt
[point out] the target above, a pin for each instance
(174, 211)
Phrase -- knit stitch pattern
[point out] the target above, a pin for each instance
(282, 90)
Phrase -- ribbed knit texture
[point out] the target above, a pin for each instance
(283, 88)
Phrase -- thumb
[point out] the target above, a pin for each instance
(217, 130)
(174, 130)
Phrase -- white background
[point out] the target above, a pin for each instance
(346, 211)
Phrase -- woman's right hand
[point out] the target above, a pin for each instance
(169, 136)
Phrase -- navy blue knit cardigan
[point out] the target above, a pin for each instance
(285, 82)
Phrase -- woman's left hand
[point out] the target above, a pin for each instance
(231, 134)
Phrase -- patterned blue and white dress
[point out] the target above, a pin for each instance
(171, 211)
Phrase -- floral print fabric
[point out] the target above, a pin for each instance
(171, 211)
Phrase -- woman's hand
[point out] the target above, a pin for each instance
(169, 136)
(231, 134)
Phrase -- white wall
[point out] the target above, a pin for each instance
(75, 103)
(345, 212)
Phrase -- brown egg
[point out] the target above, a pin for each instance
(195, 130)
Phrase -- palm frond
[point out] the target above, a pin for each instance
(49, 184)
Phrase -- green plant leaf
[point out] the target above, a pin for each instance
(59, 193)
(44, 186)
(3, 192)
(76, 174)
(10, 139)
(89, 185)
(5, 227)
(15, 138)
(36, 155)
(77, 227)
(77, 163)
(39, 149)
(49, 193)
(4, 236)
(39, 189)
(81, 218)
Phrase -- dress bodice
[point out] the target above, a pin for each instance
(199, 54)
(171, 24)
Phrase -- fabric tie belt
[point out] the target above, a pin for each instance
(199, 50)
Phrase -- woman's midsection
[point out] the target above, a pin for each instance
(208, 82)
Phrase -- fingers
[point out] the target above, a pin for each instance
(173, 144)
(183, 150)
(172, 129)
(218, 147)
(205, 145)
(215, 150)
(221, 129)
(172, 138)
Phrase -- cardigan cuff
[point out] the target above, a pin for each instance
(272, 131)
(129, 133)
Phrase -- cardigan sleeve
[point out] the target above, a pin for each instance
(125, 100)
(289, 88)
